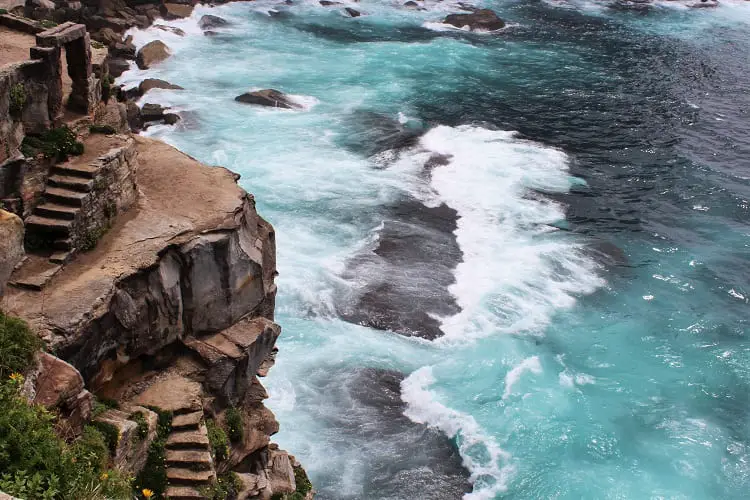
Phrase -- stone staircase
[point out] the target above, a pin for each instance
(52, 221)
(188, 456)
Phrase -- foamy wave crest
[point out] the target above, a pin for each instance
(531, 364)
(515, 272)
(488, 464)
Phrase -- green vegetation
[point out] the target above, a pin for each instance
(102, 129)
(37, 464)
(97, 45)
(142, 430)
(18, 345)
(91, 237)
(234, 424)
(110, 433)
(47, 24)
(218, 439)
(101, 405)
(57, 143)
(226, 486)
(17, 99)
(154, 474)
(3, 11)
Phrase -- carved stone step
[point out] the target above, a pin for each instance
(184, 493)
(64, 196)
(69, 169)
(61, 256)
(189, 459)
(177, 475)
(62, 244)
(196, 440)
(34, 275)
(187, 420)
(55, 211)
(80, 184)
(48, 226)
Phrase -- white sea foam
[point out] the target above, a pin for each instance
(491, 462)
(514, 275)
(531, 364)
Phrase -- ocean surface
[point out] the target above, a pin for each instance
(512, 264)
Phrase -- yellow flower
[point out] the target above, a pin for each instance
(16, 376)
(147, 493)
(104, 476)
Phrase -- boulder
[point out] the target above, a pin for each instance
(117, 66)
(107, 36)
(208, 21)
(58, 386)
(210, 33)
(267, 97)
(411, 5)
(480, 20)
(171, 118)
(152, 53)
(131, 449)
(352, 12)
(155, 83)
(152, 112)
(133, 112)
(328, 3)
(177, 11)
(11, 245)
(169, 29)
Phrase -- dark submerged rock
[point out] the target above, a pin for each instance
(267, 97)
(208, 21)
(328, 3)
(352, 12)
(482, 19)
(152, 112)
(171, 118)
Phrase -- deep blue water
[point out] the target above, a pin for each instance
(562, 206)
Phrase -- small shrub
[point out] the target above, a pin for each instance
(90, 238)
(18, 99)
(110, 433)
(303, 482)
(234, 424)
(57, 143)
(110, 209)
(142, 430)
(97, 45)
(218, 439)
(226, 486)
(47, 24)
(3, 11)
(92, 449)
(18, 345)
(102, 129)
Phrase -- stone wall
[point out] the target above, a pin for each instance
(115, 190)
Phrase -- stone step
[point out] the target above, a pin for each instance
(36, 281)
(189, 459)
(64, 196)
(48, 226)
(61, 256)
(187, 420)
(63, 244)
(55, 211)
(176, 475)
(80, 184)
(70, 169)
(184, 493)
(195, 440)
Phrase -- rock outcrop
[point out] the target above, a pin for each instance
(155, 83)
(208, 22)
(152, 53)
(11, 246)
(268, 97)
(479, 20)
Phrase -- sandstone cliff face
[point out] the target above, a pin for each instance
(182, 262)
(11, 245)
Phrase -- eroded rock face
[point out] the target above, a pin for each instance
(58, 386)
(11, 245)
(131, 450)
(152, 53)
(268, 97)
(479, 20)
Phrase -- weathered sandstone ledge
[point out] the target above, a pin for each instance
(183, 261)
